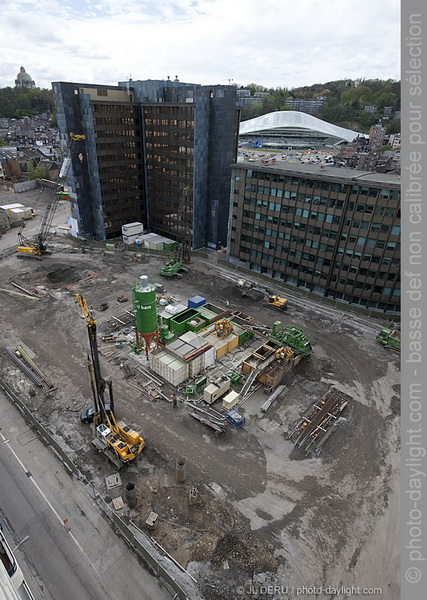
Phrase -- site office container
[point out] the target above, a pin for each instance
(133, 229)
(6, 208)
(130, 240)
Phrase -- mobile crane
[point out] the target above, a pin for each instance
(37, 247)
(114, 439)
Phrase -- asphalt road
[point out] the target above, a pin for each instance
(84, 559)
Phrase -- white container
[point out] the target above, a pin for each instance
(136, 228)
(129, 240)
(215, 390)
(7, 208)
(230, 400)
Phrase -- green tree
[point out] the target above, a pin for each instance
(39, 172)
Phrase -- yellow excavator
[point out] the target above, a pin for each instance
(119, 442)
(277, 302)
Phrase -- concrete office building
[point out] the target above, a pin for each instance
(333, 231)
(158, 152)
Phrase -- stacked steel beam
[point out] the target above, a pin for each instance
(314, 425)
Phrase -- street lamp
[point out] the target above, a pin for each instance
(25, 539)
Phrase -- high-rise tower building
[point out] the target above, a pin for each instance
(158, 152)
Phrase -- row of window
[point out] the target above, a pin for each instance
(321, 217)
(372, 304)
(116, 121)
(325, 185)
(360, 207)
(360, 285)
(100, 146)
(111, 107)
(366, 287)
(316, 200)
(117, 133)
(179, 111)
(169, 122)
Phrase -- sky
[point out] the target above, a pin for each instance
(275, 43)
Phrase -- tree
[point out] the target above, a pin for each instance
(39, 172)
(20, 102)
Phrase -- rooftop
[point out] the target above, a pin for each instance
(327, 172)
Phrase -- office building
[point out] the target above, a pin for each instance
(332, 231)
(157, 152)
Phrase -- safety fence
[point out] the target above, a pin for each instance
(137, 540)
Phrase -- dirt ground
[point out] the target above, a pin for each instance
(253, 511)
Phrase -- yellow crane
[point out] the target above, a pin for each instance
(116, 439)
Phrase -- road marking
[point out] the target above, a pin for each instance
(42, 494)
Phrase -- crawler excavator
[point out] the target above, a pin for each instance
(116, 440)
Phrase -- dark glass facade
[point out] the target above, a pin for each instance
(336, 234)
(169, 148)
(158, 152)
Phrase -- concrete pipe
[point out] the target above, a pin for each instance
(130, 494)
(180, 470)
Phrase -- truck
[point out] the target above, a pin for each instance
(390, 338)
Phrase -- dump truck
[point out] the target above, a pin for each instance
(390, 338)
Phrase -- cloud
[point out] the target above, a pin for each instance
(274, 43)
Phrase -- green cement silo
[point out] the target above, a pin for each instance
(144, 301)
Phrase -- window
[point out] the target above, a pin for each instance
(395, 230)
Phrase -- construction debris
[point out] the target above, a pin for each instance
(28, 372)
(13, 293)
(309, 431)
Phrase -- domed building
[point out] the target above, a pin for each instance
(23, 79)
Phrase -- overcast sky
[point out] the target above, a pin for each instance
(276, 43)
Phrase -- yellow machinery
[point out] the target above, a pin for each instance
(115, 439)
(223, 328)
(37, 247)
(277, 302)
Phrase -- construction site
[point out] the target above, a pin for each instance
(253, 445)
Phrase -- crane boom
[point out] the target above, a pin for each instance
(101, 408)
(118, 441)
(38, 246)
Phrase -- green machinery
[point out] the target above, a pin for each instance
(171, 268)
(390, 338)
(293, 337)
(196, 387)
